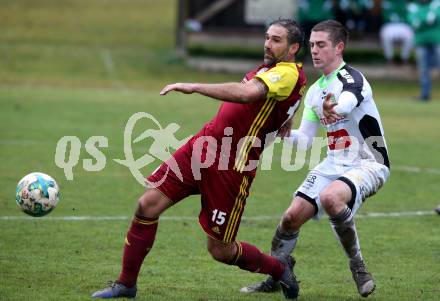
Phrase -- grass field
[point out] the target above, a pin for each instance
(82, 68)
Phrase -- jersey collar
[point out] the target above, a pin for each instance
(324, 81)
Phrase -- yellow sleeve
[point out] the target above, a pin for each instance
(280, 80)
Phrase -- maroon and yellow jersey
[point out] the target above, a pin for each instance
(248, 125)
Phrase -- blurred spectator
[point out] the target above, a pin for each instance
(396, 30)
(311, 12)
(424, 17)
(356, 15)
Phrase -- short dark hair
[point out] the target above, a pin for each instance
(295, 34)
(337, 31)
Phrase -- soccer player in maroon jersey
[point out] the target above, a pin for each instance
(219, 163)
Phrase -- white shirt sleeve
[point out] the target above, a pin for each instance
(303, 136)
(346, 103)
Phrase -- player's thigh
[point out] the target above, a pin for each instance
(174, 178)
(311, 188)
(223, 198)
(364, 181)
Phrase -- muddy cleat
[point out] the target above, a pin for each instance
(267, 286)
(288, 282)
(116, 290)
(364, 280)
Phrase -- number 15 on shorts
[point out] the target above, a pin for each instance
(218, 216)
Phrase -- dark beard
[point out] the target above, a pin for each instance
(270, 61)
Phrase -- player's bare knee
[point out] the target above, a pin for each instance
(221, 252)
(148, 206)
(290, 222)
(329, 201)
(217, 254)
(143, 208)
(299, 212)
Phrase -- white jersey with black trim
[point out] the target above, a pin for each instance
(358, 135)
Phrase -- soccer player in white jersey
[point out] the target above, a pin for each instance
(356, 165)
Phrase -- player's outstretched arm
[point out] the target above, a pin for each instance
(232, 92)
(186, 88)
(303, 136)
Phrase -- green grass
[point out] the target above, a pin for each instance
(55, 80)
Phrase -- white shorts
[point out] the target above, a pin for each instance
(364, 180)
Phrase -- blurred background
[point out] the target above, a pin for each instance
(381, 32)
(126, 41)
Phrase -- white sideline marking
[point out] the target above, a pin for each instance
(416, 169)
(184, 218)
(109, 65)
(108, 62)
(394, 214)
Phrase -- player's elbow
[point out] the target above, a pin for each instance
(346, 103)
(251, 91)
(342, 110)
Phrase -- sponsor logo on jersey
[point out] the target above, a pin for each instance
(216, 229)
(325, 121)
(311, 179)
(339, 139)
(274, 77)
(347, 76)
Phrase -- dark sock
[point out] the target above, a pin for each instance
(283, 243)
(345, 230)
(139, 241)
(251, 259)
